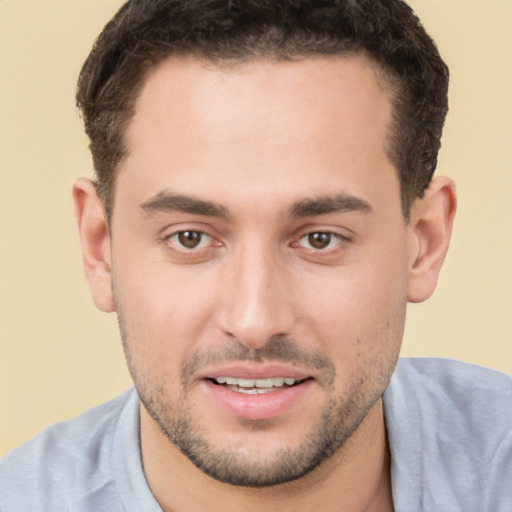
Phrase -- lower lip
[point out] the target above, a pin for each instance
(263, 406)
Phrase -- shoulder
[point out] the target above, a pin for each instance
(450, 432)
(466, 390)
(431, 374)
(63, 462)
(449, 371)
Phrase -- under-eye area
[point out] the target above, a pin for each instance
(257, 386)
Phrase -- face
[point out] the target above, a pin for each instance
(259, 260)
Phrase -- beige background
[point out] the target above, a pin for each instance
(59, 356)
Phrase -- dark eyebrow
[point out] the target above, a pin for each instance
(338, 203)
(167, 202)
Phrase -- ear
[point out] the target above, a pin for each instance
(430, 230)
(92, 226)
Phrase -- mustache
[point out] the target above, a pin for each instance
(277, 349)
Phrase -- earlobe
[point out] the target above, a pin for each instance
(93, 230)
(430, 231)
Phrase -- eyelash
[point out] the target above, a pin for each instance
(176, 243)
(335, 242)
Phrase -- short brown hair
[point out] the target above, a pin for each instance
(145, 32)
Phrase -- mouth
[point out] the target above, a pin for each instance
(256, 386)
(258, 393)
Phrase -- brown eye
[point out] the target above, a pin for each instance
(189, 240)
(319, 240)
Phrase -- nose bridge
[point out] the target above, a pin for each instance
(257, 303)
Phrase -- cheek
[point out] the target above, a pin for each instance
(360, 328)
(359, 310)
(165, 311)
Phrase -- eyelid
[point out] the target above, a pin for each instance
(181, 248)
(341, 231)
(169, 232)
(343, 239)
(335, 238)
(179, 227)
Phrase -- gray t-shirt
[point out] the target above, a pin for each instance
(449, 426)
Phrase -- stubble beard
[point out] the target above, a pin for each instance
(340, 417)
(243, 468)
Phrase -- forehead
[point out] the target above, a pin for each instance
(206, 128)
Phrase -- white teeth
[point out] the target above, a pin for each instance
(245, 383)
(227, 380)
(251, 391)
(275, 382)
(264, 383)
(245, 391)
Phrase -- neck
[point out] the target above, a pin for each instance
(355, 478)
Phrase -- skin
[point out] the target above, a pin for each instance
(258, 157)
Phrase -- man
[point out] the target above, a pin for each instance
(263, 211)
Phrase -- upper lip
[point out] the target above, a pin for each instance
(254, 371)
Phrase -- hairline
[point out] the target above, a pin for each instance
(383, 77)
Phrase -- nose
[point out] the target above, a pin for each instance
(257, 303)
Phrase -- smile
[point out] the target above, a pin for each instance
(255, 386)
